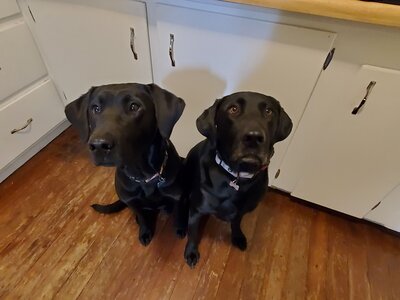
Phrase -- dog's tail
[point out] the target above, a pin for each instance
(115, 207)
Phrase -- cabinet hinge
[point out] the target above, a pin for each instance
(328, 59)
(33, 18)
(277, 173)
(376, 205)
(65, 97)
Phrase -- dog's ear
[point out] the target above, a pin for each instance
(77, 114)
(169, 109)
(285, 126)
(206, 122)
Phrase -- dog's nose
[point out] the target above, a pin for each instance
(253, 138)
(101, 144)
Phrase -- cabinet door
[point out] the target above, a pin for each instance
(20, 61)
(354, 161)
(217, 54)
(8, 8)
(88, 42)
(387, 213)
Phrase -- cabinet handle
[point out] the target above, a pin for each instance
(369, 89)
(171, 49)
(29, 121)
(132, 43)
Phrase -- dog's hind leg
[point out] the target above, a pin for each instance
(114, 207)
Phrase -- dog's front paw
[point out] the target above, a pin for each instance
(145, 236)
(192, 256)
(239, 241)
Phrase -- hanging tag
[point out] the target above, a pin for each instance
(234, 184)
(161, 181)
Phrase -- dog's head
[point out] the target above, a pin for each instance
(244, 127)
(119, 122)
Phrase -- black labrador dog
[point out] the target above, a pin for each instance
(128, 126)
(227, 174)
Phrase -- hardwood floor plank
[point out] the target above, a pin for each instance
(105, 238)
(295, 285)
(318, 258)
(232, 278)
(188, 279)
(260, 252)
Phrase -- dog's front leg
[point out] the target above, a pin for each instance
(146, 220)
(238, 238)
(181, 216)
(192, 254)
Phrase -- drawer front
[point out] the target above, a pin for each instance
(8, 8)
(41, 104)
(20, 61)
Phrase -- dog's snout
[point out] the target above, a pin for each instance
(104, 144)
(253, 138)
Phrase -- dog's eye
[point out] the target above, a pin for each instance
(234, 110)
(268, 112)
(134, 107)
(96, 109)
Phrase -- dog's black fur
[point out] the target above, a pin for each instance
(242, 128)
(128, 126)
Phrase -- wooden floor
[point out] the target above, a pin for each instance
(52, 245)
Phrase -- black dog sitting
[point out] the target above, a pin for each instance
(227, 174)
(128, 126)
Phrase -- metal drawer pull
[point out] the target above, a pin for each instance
(171, 49)
(29, 121)
(369, 89)
(132, 43)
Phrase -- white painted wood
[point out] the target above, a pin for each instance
(354, 159)
(87, 43)
(8, 8)
(219, 54)
(387, 213)
(20, 60)
(41, 103)
(33, 149)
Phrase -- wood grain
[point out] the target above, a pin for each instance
(352, 10)
(52, 245)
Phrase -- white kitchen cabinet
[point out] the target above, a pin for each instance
(87, 43)
(217, 54)
(354, 159)
(387, 213)
(38, 108)
(8, 8)
(20, 60)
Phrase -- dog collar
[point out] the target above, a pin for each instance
(158, 175)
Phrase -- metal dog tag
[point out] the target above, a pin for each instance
(234, 184)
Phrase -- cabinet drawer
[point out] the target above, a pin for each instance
(20, 61)
(42, 104)
(8, 8)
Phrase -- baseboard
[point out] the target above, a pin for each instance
(32, 150)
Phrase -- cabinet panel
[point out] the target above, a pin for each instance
(355, 161)
(387, 213)
(87, 43)
(20, 60)
(41, 104)
(217, 54)
(8, 8)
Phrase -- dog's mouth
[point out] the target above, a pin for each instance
(249, 163)
(103, 160)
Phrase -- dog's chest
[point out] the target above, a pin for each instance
(224, 203)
